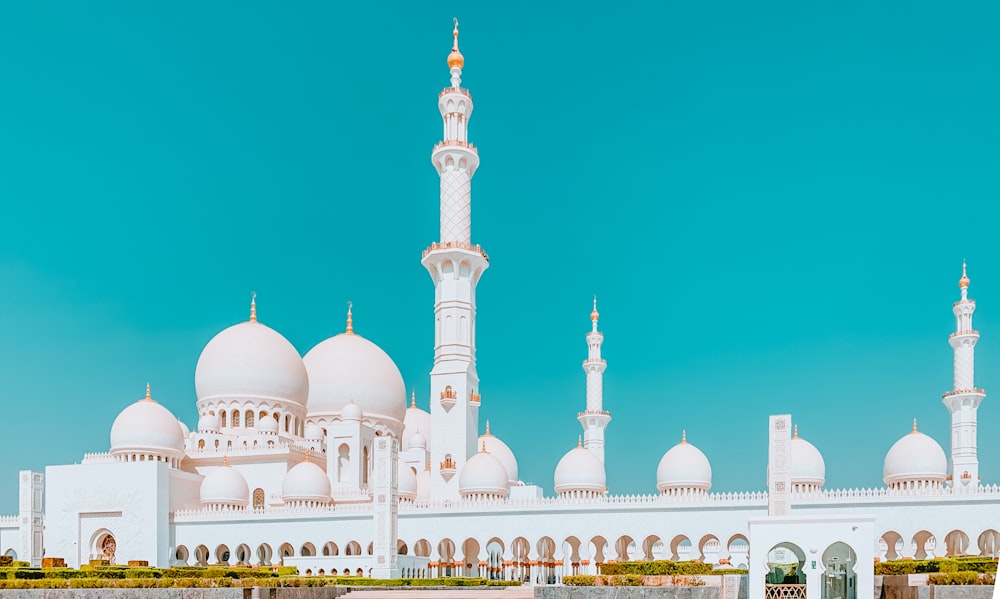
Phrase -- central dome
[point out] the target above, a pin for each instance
(251, 361)
(348, 368)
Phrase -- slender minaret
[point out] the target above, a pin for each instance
(963, 400)
(455, 265)
(594, 420)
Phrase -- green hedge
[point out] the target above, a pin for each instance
(912, 566)
(657, 568)
(949, 578)
(580, 580)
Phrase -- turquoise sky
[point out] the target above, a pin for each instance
(772, 201)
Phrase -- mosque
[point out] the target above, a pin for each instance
(323, 462)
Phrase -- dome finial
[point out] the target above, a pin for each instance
(795, 434)
(413, 398)
(684, 436)
(914, 431)
(148, 396)
(579, 441)
(964, 281)
(253, 307)
(309, 453)
(455, 59)
(484, 448)
(225, 460)
(487, 433)
(350, 321)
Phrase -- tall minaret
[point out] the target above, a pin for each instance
(594, 420)
(455, 265)
(963, 400)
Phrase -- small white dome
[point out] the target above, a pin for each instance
(808, 467)
(147, 426)
(684, 466)
(503, 453)
(915, 458)
(267, 425)
(352, 412)
(349, 367)
(416, 420)
(406, 481)
(417, 441)
(314, 431)
(424, 486)
(225, 486)
(251, 361)
(208, 423)
(306, 482)
(580, 470)
(483, 474)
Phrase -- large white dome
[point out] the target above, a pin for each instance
(915, 458)
(225, 486)
(147, 427)
(580, 471)
(503, 453)
(483, 474)
(684, 466)
(251, 361)
(306, 482)
(349, 367)
(406, 480)
(808, 467)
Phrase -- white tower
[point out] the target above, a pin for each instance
(594, 420)
(455, 265)
(963, 400)
(385, 500)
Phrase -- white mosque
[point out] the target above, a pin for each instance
(323, 462)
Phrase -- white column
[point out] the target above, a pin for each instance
(385, 508)
(30, 517)
(594, 419)
(779, 473)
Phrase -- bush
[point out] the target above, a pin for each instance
(623, 580)
(948, 578)
(656, 568)
(580, 580)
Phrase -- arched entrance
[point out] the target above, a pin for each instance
(105, 546)
(786, 578)
(839, 578)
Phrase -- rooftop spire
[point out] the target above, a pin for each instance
(455, 59)
(684, 436)
(413, 398)
(795, 435)
(579, 441)
(487, 433)
(914, 427)
(148, 396)
(253, 307)
(350, 321)
(594, 315)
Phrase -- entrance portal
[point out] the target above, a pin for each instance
(839, 579)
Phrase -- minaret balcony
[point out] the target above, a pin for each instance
(963, 333)
(448, 398)
(980, 392)
(474, 398)
(448, 468)
(455, 90)
(451, 143)
(455, 245)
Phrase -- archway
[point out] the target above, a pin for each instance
(786, 577)
(625, 548)
(307, 550)
(446, 553)
(571, 556)
(353, 548)
(264, 554)
(285, 550)
(890, 545)
(989, 543)
(494, 559)
(104, 546)
(422, 548)
(470, 557)
(243, 555)
(201, 555)
(681, 549)
(738, 549)
(330, 548)
(839, 577)
(597, 546)
(546, 560)
(956, 543)
(181, 555)
(923, 545)
(222, 555)
(401, 548)
(520, 550)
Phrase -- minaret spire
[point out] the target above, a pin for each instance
(594, 419)
(253, 307)
(455, 266)
(964, 398)
(350, 320)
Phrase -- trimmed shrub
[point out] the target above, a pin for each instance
(950, 578)
(580, 580)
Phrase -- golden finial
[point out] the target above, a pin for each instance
(148, 396)
(964, 281)
(487, 433)
(684, 436)
(795, 434)
(579, 441)
(225, 460)
(914, 431)
(413, 398)
(455, 59)
(594, 315)
(309, 453)
(484, 447)
(350, 321)
(253, 307)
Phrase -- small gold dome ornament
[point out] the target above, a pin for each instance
(964, 281)
(594, 315)
(455, 59)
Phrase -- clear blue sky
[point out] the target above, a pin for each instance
(772, 201)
